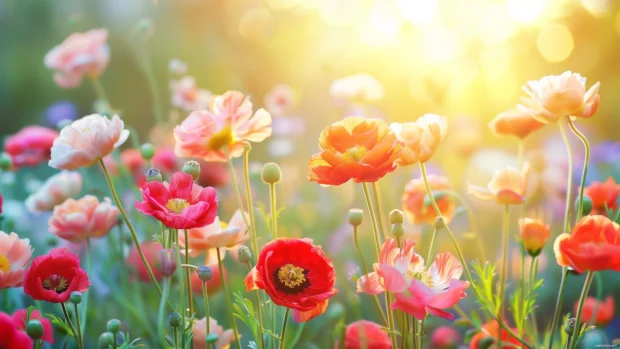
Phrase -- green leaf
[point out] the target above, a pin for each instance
(475, 318)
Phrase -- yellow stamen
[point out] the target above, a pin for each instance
(223, 138)
(176, 205)
(291, 276)
(55, 283)
(5, 264)
(354, 154)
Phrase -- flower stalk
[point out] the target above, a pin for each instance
(248, 194)
(586, 162)
(228, 302)
(502, 281)
(284, 322)
(584, 294)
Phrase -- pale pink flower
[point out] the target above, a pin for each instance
(14, 255)
(55, 190)
(80, 53)
(229, 124)
(507, 186)
(177, 67)
(556, 96)
(280, 100)
(187, 96)
(421, 138)
(358, 88)
(199, 330)
(86, 141)
(78, 220)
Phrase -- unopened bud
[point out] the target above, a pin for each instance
(153, 175)
(192, 168)
(147, 151)
(106, 340)
(587, 205)
(76, 297)
(114, 325)
(397, 217)
(271, 173)
(569, 327)
(398, 230)
(440, 222)
(34, 329)
(356, 216)
(174, 319)
(5, 162)
(204, 273)
(244, 254)
(167, 262)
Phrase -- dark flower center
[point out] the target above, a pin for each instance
(291, 279)
(56, 283)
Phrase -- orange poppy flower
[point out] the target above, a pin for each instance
(413, 200)
(354, 148)
(534, 235)
(603, 194)
(514, 123)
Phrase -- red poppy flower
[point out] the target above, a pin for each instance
(30, 146)
(605, 311)
(366, 334)
(182, 204)
(20, 321)
(151, 253)
(603, 194)
(12, 337)
(491, 329)
(213, 285)
(52, 277)
(593, 245)
(296, 274)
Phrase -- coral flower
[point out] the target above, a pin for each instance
(14, 255)
(603, 195)
(414, 202)
(557, 96)
(151, 253)
(78, 220)
(491, 329)
(534, 235)
(593, 245)
(187, 96)
(55, 190)
(228, 126)
(354, 148)
(605, 311)
(86, 141)
(30, 146)
(52, 277)
(12, 336)
(421, 138)
(359, 88)
(295, 274)
(182, 204)
(20, 321)
(216, 235)
(514, 123)
(280, 100)
(80, 53)
(199, 330)
(507, 186)
(366, 334)
(132, 160)
(445, 337)
(214, 285)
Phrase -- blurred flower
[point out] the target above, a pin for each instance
(593, 245)
(80, 53)
(214, 285)
(354, 148)
(359, 88)
(182, 204)
(415, 205)
(534, 235)
(60, 111)
(30, 146)
(227, 127)
(177, 67)
(445, 337)
(86, 141)
(167, 262)
(281, 147)
(363, 334)
(514, 122)
(216, 235)
(492, 329)
(469, 137)
(280, 100)
(78, 220)
(604, 195)
(132, 160)
(165, 160)
(12, 335)
(111, 165)
(151, 253)
(421, 138)
(199, 331)
(14, 255)
(52, 277)
(507, 186)
(20, 320)
(187, 96)
(605, 311)
(213, 174)
(55, 190)
(288, 126)
(556, 96)
(515, 263)
(295, 274)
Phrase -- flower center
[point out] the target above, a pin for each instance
(176, 205)
(221, 139)
(291, 276)
(421, 276)
(56, 283)
(5, 265)
(354, 154)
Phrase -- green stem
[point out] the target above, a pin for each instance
(228, 302)
(147, 67)
(599, 296)
(100, 91)
(64, 311)
(504, 266)
(259, 311)
(160, 313)
(284, 322)
(473, 223)
(569, 183)
(420, 333)
(582, 299)
(558, 305)
(176, 338)
(114, 341)
(205, 297)
(181, 286)
(586, 162)
(85, 294)
(78, 327)
(512, 333)
(235, 185)
(274, 213)
(190, 296)
(523, 286)
(377, 196)
(366, 272)
(248, 194)
(431, 247)
(415, 334)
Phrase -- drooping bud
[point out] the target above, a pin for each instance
(147, 151)
(5, 162)
(271, 173)
(356, 216)
(167, 262)
(114, 325)
(204, 273)
(174, 319)
(192, 168)
(398, 230)
(153, 175)
(569, 326)
(34, 329)
(587, 205)
(244, 254)
(76, 297)
(106, 340)
(397, 217)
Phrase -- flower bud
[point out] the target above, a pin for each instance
(244, 254)
(5, 162)
(271, 173)
(587, 205)
(440, 222)
(153, 175)
(212, 338)
(356, 217)
(147, 151)
(569, 327)
(106, 340)
(34, 329)
(398, 230)
(204, 273)
(167, 262)
(174, 319)
(192, 168)
(114, 325)
(534, 235)
(397, 217)
(76, 297)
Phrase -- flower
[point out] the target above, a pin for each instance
(415, 205)
(214, 285)
(445, 337)
(366, 334)
(187, 96)
(80, 53)
(60, 111)
(20, 321)
(280, 100)
(354, 148)
(12, 336)
(132, 160)
(166, 160)
(151, 253)
(605, 311)
(216, 235)
(295, 274)
(557, 96)
(421, 138)
(55, 191)
(78, 220)
(86, 141)
(199, 330)
(507, 186)
(593, 245)
(514, 122)
(604, 195)
(177, 67)
(14, 255)
(534, 235)
(52, 277)
(30, 146)
(491, 329)
(360, 88)
(227, 127)
(429, 290)
(213, 174)
(182, 204)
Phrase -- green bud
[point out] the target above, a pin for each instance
(271, 173)
(5, 162)
(440, 222)
(153, 175)
(212, 338)
(147, 151)
(204, 273)
(192, 168)
(398, 230)
(486, 343)
(106, 340)
(244, 254)
(587, 205)
(76, 297)
(34, 329)
(114, 325)
(51, 241)
(174, 319)
(569, 326)
(397, 217)
(356, 217)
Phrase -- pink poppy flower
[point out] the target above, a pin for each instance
(224, 338)
(55, 191)
(507, 186)
(182, 204)
(20, 321)
(280, 100)
(78, 220)
(216, 235)
(366, 334)
(86, 141)
(80, 53)
(187, 96)
(229, 124)
(166, 160)
(14, 255)
(30, 146)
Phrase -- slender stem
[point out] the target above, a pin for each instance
(259, 311)
(377, 197)
(558, 306)
(205, 297)
(502, 281)
(147, 67)
(176, 338)
(366, 272)
(404, 330)
(99, 90)
(582, 299)
(415, 334)
(586, 162)
(64, 311)
(228, 302)
(431, 247)
(248, 194)
(114, 341)
(235, 185)
(532, 278)
(78, 327)
(85, 294)
(162, 307)
(473, 223)
(274, 213)
(599, 296)
(420, 333)
(512, 333)
(284, 322)
(190, 297)
(569, 179)
(181, 286)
